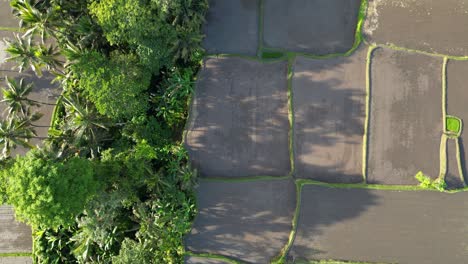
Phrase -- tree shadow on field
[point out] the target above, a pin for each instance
(326, 216)
(239, 119)
(329, 111)
(251, 221)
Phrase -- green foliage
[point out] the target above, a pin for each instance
(453, 124)
(3, 183)
(53, 246)
(427, 183)
(127, 79)
(272, 54)
(163, 223)
(34, 56)
(101, 229)
(47, 193)
(115, 85)
(147, 128)
(171, 101)
(133, 252)
(161, 32)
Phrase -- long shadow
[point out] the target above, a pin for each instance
(329, 112)
(323, 209)
(239, 119)
(251, 221)
(462, 158)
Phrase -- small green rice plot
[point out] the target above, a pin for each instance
(453, 125)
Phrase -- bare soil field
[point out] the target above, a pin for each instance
(248, 221)
(6, 17)
(382, 226)
(239, 120)
(406, 120)
(427, 25)
(14, 236)
(329, 112)
(311, 26)
(232, 27)
(457, 79)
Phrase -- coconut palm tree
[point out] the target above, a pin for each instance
(44, 22)
(13, 133)
(36, 57)
(15, 95)
(83, 120)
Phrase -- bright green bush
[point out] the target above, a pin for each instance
(427, 183)
(48, 193)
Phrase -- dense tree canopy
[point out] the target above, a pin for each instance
(111, 182)
(116, 85)
(47, 193)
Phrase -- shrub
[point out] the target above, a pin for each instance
(48, 193)
(427, 183)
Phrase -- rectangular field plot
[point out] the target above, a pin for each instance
(248, 221)
(232, 27)
(427, 25)
(239, 121)
(311, 26)
(457, 98)
(406, 121)
(382, 226)
(329, 112)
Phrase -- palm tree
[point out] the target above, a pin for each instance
(35, 57)
(83, 120)
(15, 95)
(35, 21)
(13, 133)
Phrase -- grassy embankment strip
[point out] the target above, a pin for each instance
(365, 139)
(292, 154)
(214, 256)
(281, 258)
(444, 92)
(19, 254)
(460, 162)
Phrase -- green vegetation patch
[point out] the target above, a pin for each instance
(453, 125)
(427, 183)
(272, 54)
